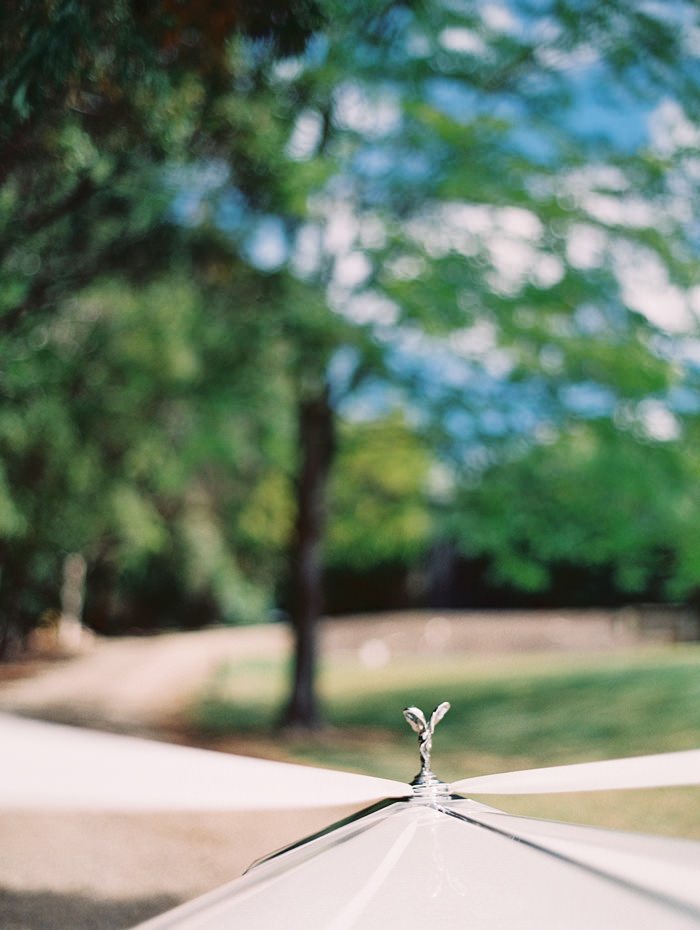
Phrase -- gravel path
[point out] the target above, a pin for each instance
(135, 683)
(109, 871)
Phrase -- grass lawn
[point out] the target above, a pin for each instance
(507, 712)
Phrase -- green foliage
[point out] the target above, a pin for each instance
(152, 426)
(508, 712)
(592, 495)
(145, 402)
(379, 508)
(432, 158)
(543, 709)
(552, 716)
(52, 51)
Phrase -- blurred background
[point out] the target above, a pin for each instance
(353, 349)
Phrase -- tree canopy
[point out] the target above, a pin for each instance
(439, 257)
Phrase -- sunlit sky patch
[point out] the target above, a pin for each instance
(267, 246)
(352, 269)
(462, 40)
(646, 288)
(585, 246)
(306, 253)
(588, 399)
(371, 308)
(657, 421)
(372, 115)
(306, 135)
(670, 129)
(498, 17)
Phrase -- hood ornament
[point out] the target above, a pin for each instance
(426, 783)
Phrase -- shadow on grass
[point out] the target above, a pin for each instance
(46, 910)
(552, 716)
(557, 717)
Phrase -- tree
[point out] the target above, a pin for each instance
(378, 502)
(482, 233)
(592, 496)
(106, 109)
(448, 226)
(147, 433)
(110, 117)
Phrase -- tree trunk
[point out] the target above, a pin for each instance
(316, 448)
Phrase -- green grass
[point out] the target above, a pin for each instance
(550, 708)
(507, 712)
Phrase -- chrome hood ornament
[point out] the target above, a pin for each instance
(426, 783)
